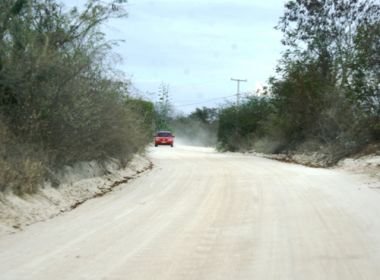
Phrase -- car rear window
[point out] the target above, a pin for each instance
(164, 134)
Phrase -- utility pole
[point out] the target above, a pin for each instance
(238, 81)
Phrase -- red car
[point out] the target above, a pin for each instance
(163, 138)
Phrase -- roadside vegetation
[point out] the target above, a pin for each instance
(61, 101)
(326, 95)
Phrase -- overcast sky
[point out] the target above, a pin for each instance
(196, 46)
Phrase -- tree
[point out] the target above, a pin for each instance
(328, 90)
(59, 99)
(332, 33)
(205, 115)
(163, 108)
(365, 84)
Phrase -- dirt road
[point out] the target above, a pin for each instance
(203, 215)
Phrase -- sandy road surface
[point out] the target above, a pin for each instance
(202, 215)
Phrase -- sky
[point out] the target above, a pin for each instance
(196, 47)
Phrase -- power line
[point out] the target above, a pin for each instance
(205, 101)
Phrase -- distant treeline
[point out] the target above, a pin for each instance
(326, 94)
(60, 102)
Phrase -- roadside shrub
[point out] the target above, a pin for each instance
(240, 125)
(60, 99)
(267, 145)
(342, 128)
(21, 166)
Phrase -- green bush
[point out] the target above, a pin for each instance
(21, 165)
(59, 100)
(240, 125)
(326, 96)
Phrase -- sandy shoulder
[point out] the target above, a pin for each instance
(78, 184)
